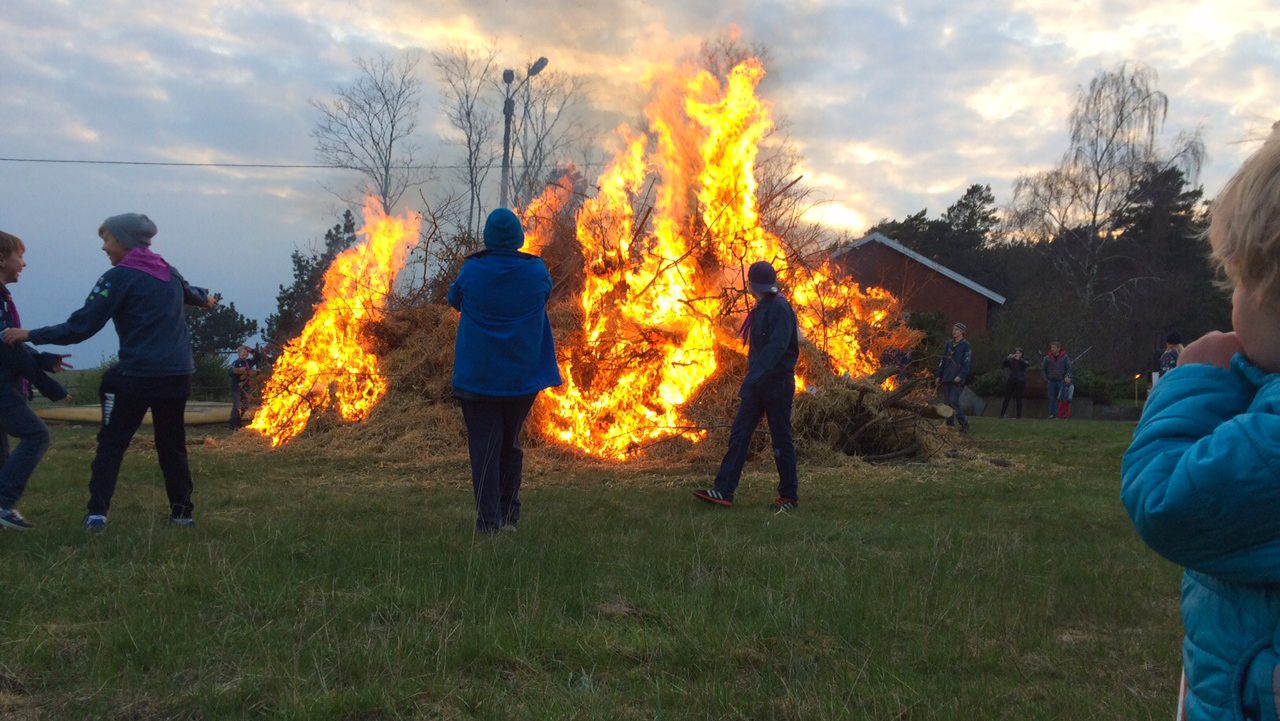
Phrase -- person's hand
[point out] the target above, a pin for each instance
(68, 399)
(61, 364)
(210, 301)
(1214, 348)
(957, 380)
(15, 336)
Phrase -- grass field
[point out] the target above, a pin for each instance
(356, 590)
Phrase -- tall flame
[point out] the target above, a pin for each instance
(327, 362)
(659, 290)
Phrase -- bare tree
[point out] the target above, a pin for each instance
(544, 131)
(467, 73)
(368, 126)
(1074, 208)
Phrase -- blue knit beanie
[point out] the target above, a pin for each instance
(132, 230)
(502, 230)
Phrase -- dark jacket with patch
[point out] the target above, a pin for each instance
(148, 316)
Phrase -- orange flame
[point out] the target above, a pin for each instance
(660, 290)
(326, 362)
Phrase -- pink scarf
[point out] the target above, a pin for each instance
(144, 260)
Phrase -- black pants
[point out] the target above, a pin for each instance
(125, 400)
(1013, 390)
(497, 460)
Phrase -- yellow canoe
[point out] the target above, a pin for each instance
(198, 412)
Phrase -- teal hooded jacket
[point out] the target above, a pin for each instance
(1201, 481)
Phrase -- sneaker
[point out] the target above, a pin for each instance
(12, 519)
(782, 504)
(183, 522)
(713, 496)
(507, 527)
(95, 524)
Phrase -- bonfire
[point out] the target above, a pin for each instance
(652, 291)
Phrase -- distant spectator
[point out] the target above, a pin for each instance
(1015, 386)
(1172, 349)
(242, 371)
(953, 369)
(1055, 367)
(1064, 398)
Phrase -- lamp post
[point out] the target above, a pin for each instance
(509, 109)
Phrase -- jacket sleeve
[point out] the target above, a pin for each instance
(1200, 478)
(962, 364)
(85, 322)
(191, 295)
(455, 289)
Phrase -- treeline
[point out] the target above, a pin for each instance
(1103, 252)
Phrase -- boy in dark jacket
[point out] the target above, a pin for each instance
(18, 367)
(953, 369)
(143, 296)
(769, 389)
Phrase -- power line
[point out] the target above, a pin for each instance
(180, 165)
(237, 165)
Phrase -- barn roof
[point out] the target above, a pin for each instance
(933, 265)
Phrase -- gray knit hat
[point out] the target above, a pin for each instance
(132, 230)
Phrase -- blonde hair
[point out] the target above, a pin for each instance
(1245, 222)
(10, 244)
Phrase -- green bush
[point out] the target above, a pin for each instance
(211, 382)
(1093, 385)
(990, 383)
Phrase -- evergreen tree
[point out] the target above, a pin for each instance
(296, 303)
(217, 330)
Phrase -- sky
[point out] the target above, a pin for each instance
(895, 107)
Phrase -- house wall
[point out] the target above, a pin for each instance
(921, 288)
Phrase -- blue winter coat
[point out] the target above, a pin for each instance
(504, 345)
(1201, 481)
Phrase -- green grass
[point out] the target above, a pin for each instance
(354, 589)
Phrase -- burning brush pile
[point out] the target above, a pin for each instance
(650, 273)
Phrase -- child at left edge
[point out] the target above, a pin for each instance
(18, 366)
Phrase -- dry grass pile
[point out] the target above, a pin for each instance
(858, 418)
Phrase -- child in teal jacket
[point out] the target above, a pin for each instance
(1201, 479)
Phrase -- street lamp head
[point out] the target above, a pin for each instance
(537, 67)
(508, 76)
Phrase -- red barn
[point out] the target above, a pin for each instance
(923, 285)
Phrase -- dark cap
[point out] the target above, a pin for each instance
(763, 278)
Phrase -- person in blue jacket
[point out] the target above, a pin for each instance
(143, 296)
(952, 371)
(1201, 479)
(504, 356)
(769, 389)
(20, 367)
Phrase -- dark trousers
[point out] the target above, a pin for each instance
(125, 400)
(239, 405)
(773, 402)
(951, 392)
(1013, 390)
(18, 420)
(497, 460)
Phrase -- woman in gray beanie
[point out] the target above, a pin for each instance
(143, 296)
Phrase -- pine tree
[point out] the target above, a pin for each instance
(296, 303)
